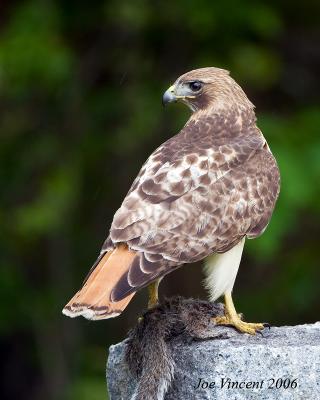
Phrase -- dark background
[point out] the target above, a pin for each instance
(80, 105)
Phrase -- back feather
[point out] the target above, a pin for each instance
(93, 301)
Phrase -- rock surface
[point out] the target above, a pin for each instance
(283, 364)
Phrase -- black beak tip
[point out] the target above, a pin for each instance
(165, 99)
(168, 97)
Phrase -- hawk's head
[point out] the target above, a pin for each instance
(205, 88)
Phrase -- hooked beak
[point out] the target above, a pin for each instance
(169, 96)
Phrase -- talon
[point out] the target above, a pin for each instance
(241, 326)
(233, 319)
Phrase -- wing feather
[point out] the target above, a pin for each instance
(196, 194)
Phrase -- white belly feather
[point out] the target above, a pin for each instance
(221, 271)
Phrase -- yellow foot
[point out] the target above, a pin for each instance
(245, 327)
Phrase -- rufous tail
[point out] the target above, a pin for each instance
(92, 301)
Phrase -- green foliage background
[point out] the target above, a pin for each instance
(80, 99)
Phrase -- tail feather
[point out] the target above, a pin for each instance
(93, 301)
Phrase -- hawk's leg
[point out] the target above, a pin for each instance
(153, 293)
(153, 296)
(232, 318)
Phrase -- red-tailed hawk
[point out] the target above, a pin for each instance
(197, 197)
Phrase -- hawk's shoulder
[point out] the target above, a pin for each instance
(205, 149)
(198, 193)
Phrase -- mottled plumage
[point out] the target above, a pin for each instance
(200, 192)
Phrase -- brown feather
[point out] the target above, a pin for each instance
(92, 301)
(199, 193)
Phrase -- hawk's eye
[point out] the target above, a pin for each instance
(195, 86)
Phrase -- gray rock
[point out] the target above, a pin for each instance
(283, 364)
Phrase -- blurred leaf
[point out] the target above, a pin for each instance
(89, 388)
(31, 52)
(52, 206)
(256, 65)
